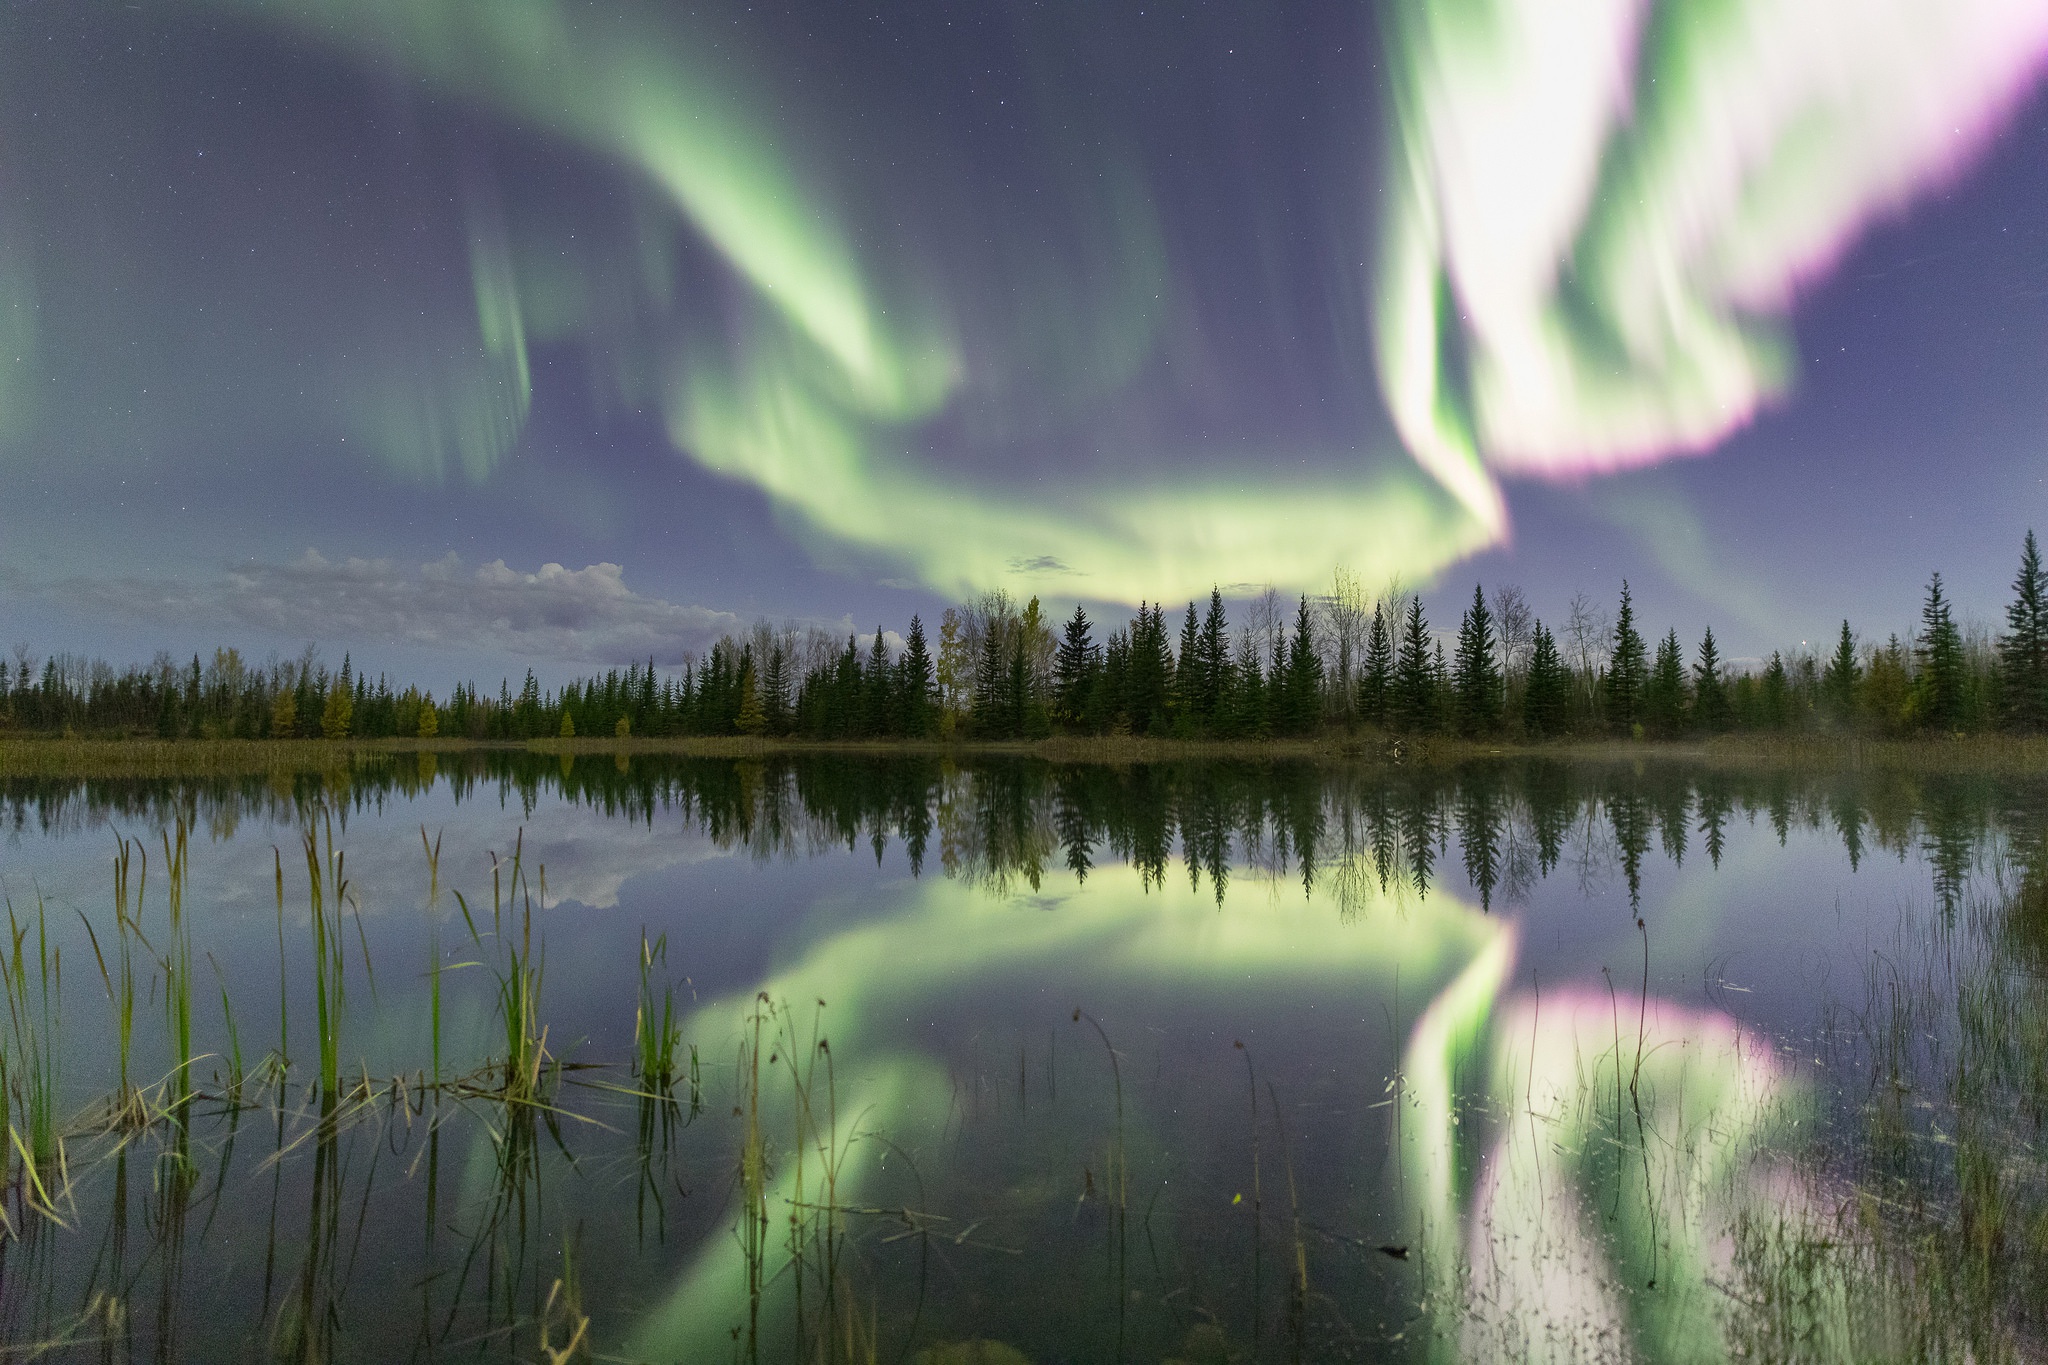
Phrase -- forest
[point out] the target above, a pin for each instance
(1336, 663)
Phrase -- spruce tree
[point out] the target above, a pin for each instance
(1215, 657)
(1476, 680)
(1627, 667)
(1303, 688)
(1838, 684)
(1664, 693)
(1710, 709)
(1248, 692)
(2023, 650)
(1188, 688)
(878, 690)
(1547, 696)
(991, 677)
(1414, 702)
(915, 685)
(1376, 678)
(1939, 652)
(1074, 669)
(1773, 694)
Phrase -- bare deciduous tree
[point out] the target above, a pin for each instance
(1346, 615)
(1514, 625)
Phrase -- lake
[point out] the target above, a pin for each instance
(867, 1057)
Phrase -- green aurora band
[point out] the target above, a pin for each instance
(1593, 219)
(1547, 1221)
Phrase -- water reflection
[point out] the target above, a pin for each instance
(1232, 1061)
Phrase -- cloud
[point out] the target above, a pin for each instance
(585, 615)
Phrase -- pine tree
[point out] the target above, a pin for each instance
(990, 676)
(1710, 710)
(1773, 694)
(1476, 680)
(1302, 688)
(1215, 660)
(1074, 670)
(915, 684)
(1664, 691)
(1546, 696)
(2023, 650)
(774, 690)
(1939, 652)
(1413, 707)
(1627, 667)
(1248, 692)
(1838, 684)
(878, 690)
(1188, 686)
(1375, 679)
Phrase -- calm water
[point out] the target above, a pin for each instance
(1199, 1062)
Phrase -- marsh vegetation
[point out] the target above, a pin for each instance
(496, 1055)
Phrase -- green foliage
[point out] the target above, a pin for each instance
(1938, 690)
(1842, 679)
(1476, 681)
(2023, 650)
(1376, 677)
(1664, 699)
(1547, 696)
(1414, 706)
(1710, 706)
(1627, 668)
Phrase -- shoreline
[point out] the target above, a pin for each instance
(155, 758)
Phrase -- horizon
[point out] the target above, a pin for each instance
(373, 333)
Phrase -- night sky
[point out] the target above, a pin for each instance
(476, 335)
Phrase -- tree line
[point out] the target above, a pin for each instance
(998, 670)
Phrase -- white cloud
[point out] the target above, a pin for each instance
(584, 615)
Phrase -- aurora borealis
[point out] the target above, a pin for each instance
(829, 312)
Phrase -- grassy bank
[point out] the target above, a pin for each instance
(148, 758)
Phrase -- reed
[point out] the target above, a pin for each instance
(34, 982)
(657, 1034)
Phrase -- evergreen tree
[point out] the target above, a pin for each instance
(915, 685)
(991, 673)
(774, 690)
(1710, 708)
(1248, 709)
(1375, 679)
(1664, 692)
(1773, 695)
(878, 690)
(2023, 650)
(1149, 676)
(1302, 689)
(1939, 652)
(1188, 688)
(1475, 678)
(1413, 707)
(1215, 660)
(1627, 667)
(1443, 712)
(1074, 671)
(752, 717)
(1547, 695)
(1838, 684)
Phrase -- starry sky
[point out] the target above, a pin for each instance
(487, 334)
